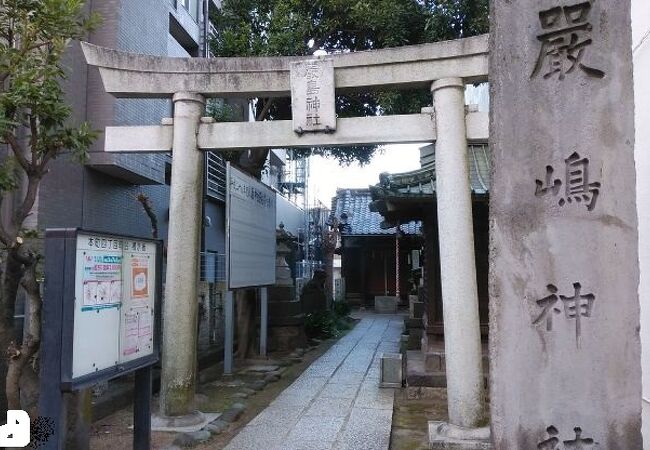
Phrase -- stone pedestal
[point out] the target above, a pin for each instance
(313, 296)
(416, 307)
(286, 318)
(413, 329)
(444, 436)
(386, 304)
(413, 324)
(354, 299)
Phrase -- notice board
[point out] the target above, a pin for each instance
(250, 231)
(106, 306)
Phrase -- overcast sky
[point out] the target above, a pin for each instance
(326, 175)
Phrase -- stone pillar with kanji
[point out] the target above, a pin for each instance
(564, 327)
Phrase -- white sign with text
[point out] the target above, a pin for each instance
(250, 231)
(114, 302)
(313, 104)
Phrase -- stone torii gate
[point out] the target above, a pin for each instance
(444, 67)
(564, 337)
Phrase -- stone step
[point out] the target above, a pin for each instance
(418, 375)
(410, 323)
(435, 361)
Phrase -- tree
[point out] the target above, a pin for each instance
(300, 27)
(35, 129)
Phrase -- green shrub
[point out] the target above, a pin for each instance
(341, 309)
(321, 325)
(327, 324)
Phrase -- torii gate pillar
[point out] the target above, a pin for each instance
(180, 309)
(457, 260)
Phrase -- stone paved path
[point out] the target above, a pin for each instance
(336, 403)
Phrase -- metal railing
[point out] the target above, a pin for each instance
(216, 176)
(213, 267)
(305, 269)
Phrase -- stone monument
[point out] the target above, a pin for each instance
(286, 319)
(564, 326)
(313, 297)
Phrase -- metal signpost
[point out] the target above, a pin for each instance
(101, 315)
(250, 249)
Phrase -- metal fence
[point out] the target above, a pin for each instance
(339, 289)
(305, 269)
(213, 267)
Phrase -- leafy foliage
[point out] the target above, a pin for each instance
(453, 19)
(341, 309)
(299, 27)
(33, 36)
(327, 324)
(220, 110)
(36, 127)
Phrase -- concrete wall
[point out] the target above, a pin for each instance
(290, 215)
(641, 46)
(478, 95)
(215, 239)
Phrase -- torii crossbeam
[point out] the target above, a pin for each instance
(445, 67)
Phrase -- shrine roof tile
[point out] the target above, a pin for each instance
(351, 208)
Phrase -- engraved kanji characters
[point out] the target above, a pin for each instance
(578, 306)
(578, 188)
(313, 99)
(313, 103)
(554, 443)
(313, 120)
(548, 307)
(313, 91)
(579, 443)
(575, 307)
(566, 35)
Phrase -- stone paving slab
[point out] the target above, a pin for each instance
(324, 407)
(256, 437)
(373, 397)
(311, 428)
(340, 391)
(367, 429)
(348, 377)
(278, 413)
(337, 402)
(303, 444)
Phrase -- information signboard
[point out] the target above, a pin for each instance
(100, 316)
(102, 293)
(250, 231)
(115, 280)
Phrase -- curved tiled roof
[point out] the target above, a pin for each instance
(365, 207)
(421, 182)
(353, 204)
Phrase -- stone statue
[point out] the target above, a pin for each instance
(313, 295)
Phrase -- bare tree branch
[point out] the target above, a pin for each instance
(33, 139)
(265, 109)
(18, 151)
(148, 209)
(33, 180)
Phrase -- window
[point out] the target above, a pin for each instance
(216, 176)
(192, 7)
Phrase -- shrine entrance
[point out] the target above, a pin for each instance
(445, 67)
(564, 313)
